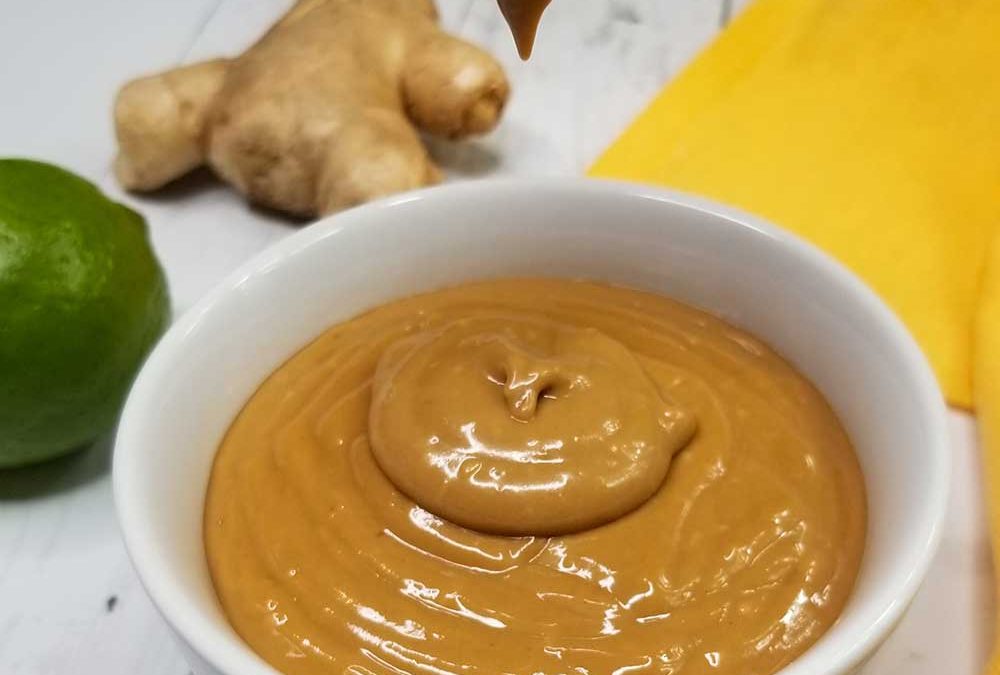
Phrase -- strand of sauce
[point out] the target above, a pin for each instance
(534, 476)
(523, 17)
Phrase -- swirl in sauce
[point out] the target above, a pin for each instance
(733, 563)
(522, 427)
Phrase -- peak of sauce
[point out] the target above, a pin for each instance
(516, 425)
(334, 541)
(523, 17)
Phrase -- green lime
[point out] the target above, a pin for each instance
(82, 300)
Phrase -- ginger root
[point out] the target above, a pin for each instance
(320, 114)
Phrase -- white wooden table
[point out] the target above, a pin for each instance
(69, 600)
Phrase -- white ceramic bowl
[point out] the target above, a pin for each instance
(754, 275)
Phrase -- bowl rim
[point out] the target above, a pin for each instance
(167, 594)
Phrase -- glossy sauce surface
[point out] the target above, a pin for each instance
(518, 426)
(734, 563)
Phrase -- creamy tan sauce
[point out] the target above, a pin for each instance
(519, 426)
(523, 17)
(734, 562)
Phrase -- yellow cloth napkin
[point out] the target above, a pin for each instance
(870, 127)
(987, 390)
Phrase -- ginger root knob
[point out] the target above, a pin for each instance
(322, 113)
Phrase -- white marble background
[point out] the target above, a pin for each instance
(69, 600)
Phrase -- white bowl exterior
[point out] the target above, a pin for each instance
(760, 278)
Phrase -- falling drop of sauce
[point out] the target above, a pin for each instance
(523, 17)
